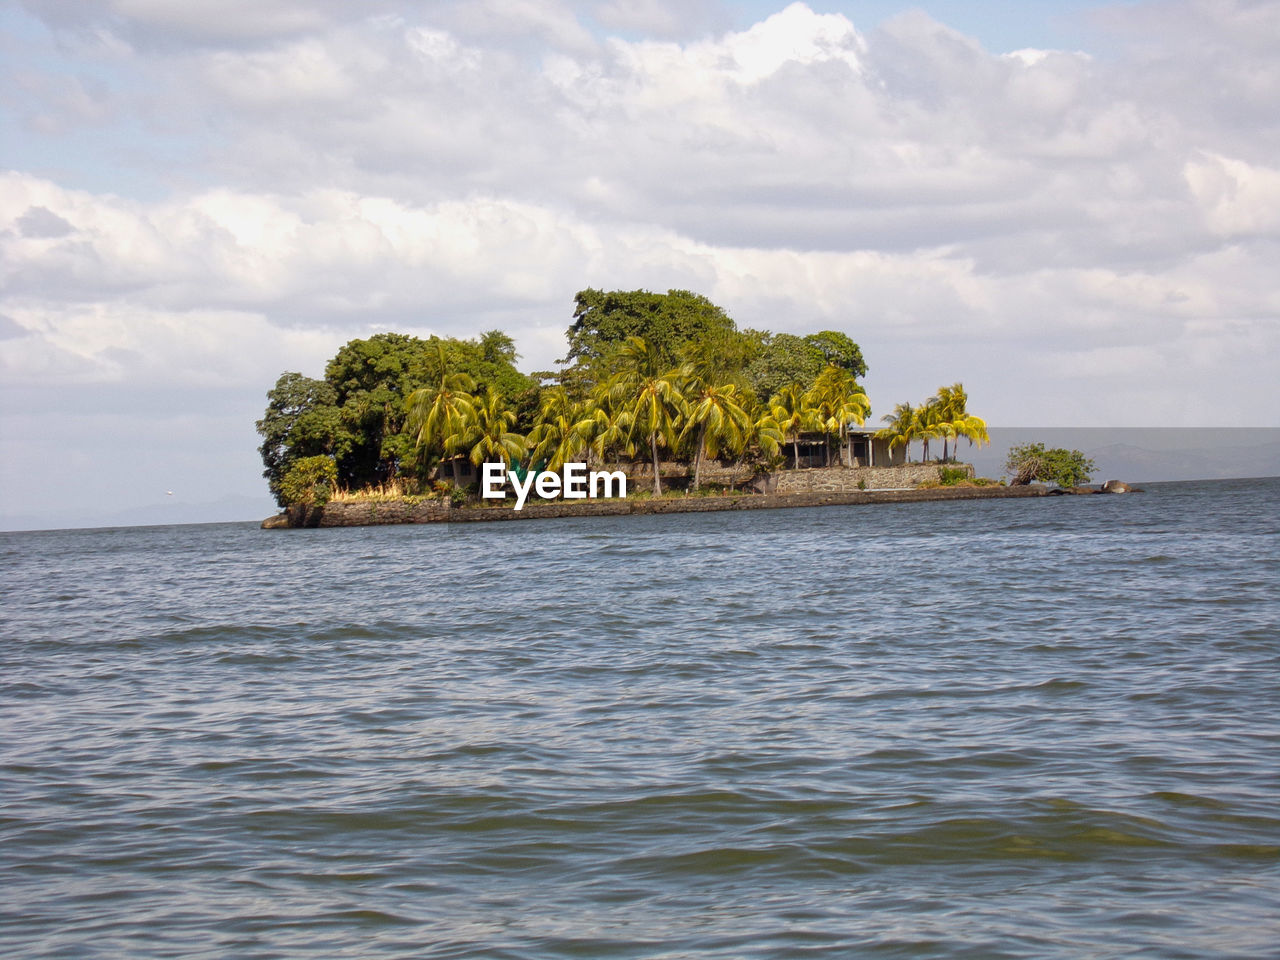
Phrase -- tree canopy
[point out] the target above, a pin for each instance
(645, 373)
(667, 322)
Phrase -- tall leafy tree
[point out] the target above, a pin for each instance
(839, 350)
(438, 414)
(838, 400)
(563, 430)
(954, 420)
(604, 320)
(793, 414)
(649, 390)
(903, 426)
(486, 435)
(715, 419)
(301, 420)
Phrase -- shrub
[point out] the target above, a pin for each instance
(1031, 461)
(950, 476)
(309, 482)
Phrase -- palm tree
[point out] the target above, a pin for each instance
(927, 420)
(436, 414)
(606, 426)
(486, 434)
(650, 396)
(952, 402)
(790, 410)
(560, 434)
(838, 399)
(766, 434)
(717, 416)
(902, 428)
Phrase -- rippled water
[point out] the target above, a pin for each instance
(993, 729)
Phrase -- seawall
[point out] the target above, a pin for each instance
(370, 513)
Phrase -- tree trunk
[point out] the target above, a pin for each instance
(457, 474)
(697, 458)
(795, 448)
(657, 483)
(944, 449)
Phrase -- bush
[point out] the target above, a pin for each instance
(950, 476)
(1031, 461)
(309, 482)
(457, 496)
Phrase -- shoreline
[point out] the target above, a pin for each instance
(386, 512)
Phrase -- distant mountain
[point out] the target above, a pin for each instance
(224, 510)
(1150, 455)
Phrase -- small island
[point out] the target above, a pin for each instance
(662, 389)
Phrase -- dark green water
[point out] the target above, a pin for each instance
(1032, 729)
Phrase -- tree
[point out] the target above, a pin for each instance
(437, 415)
(839, 351)
(309, 482)
(903, 427)
(953, 420)
(1031, 461)
(486, 434)
(785, 359)
(301, 420)
(717, 419)
(602, 321)
(649, 391)
(558, 435)
(837, 399)
(791, 411)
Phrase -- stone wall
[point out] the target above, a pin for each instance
(386, 512)
(849, 479)
(366, 513)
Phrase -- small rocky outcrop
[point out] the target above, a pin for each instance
(279, 522)
(1115, 486)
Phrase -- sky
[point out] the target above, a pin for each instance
(1073, 208)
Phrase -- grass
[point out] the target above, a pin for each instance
(396, 490)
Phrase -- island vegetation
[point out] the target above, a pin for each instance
(1030, 462)
(647, 376)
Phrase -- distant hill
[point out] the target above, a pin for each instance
(226, 509)
(1138, 454)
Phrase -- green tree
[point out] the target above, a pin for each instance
(301, 420)
(837, 399)
(792, 413)
(903, 427)
(953, 419)
(309, 482)
(603, 321)
(486, 434)
(1031, 461)
(839, 351)
(784, 359)
(716, 419)
(649, 391)
(372, 377)
(559, 435)
(439, 414)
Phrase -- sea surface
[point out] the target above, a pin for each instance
(998, 729)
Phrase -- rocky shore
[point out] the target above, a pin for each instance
(375, 512)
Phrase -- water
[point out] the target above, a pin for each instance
(994, 729)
